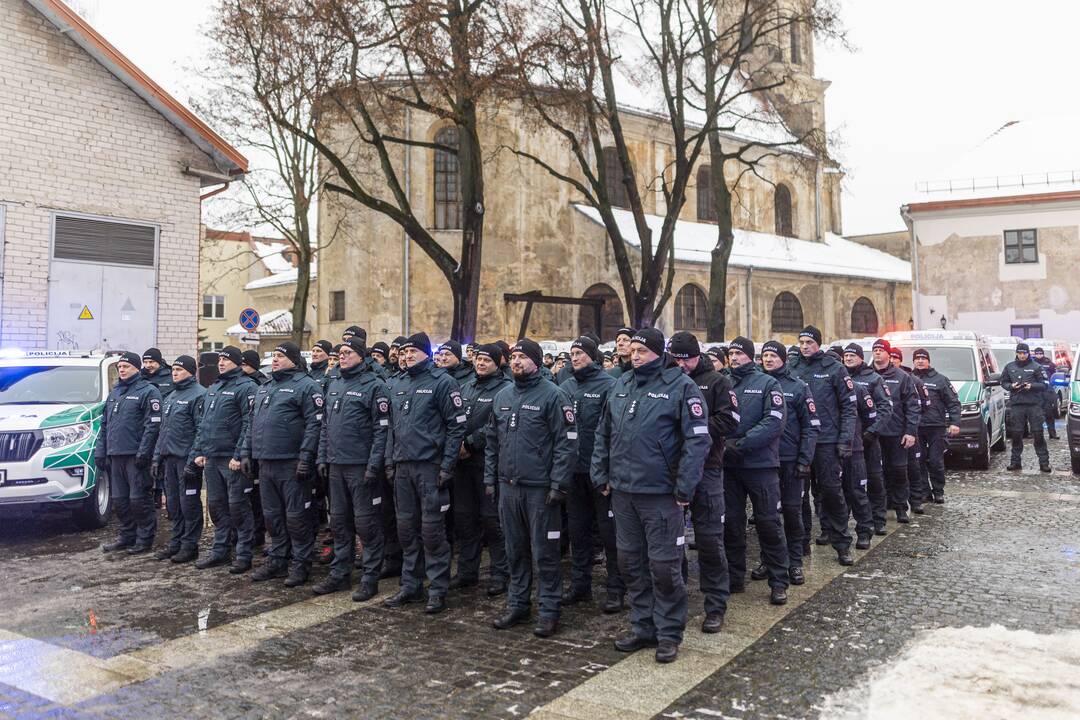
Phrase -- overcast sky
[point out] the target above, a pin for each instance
(926, 82)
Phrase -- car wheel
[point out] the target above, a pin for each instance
(93, 512)
(1076, 465)
(982, 460)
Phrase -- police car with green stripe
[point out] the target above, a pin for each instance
(50, 416)
(1072, 425)
(966, 359)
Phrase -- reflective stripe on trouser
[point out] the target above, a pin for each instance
(894, 465)
(356, 509)
(584, 507)
(476, 521)
(762, 486)
(791, 505)
(132, 490)
(826, 481)
(532, 531)
(854, 479)
(649, 534)
(707, 512)
(420, 507)
(932, 467)
(227, 495)
(286, 502)
(1032, 415)
(184, 502)
(875, 485)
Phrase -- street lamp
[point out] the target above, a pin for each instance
(943, 321)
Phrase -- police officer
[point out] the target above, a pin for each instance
(156, 372)
(1049, 368)
(250, 363)
(218, 450)
(320, 371)
(940, 417)
(899, 433)
(283, 436)
(449, 358)
(752, 461)
(392, 360)
(505, 367)
(380, 353)
(352, 444)
(531, 452)
(855, 475)
(588, 387)
(834, 399)
(320, 363)
(797, 445)
(622, 352)
(130, 423)
(174, 464)
(650, 451)
(873, 387)
(428, 423)
(1026, 382)
(707, 506)
(476, 513)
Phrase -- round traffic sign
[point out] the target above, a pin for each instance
(249, 319)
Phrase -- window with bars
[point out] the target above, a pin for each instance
(212, 346)
(213, 307)
(692, 310)
(1026, 331)
(613, 177)
(447, 181)
(787, 314)
(104, 241)
(782, 208)
(1021, 246)
(864, 319)
(706, 203)
(337, 305)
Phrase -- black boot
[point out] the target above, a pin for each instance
(435, 604)
(795, 575)
(185, 556)
(140, 549)
(1043, 467)
(918, 508)
(902, 516)
(1014, 466)
(760, 572)
(844, 557)
(165, 553)
(939, 498)
(212, 562)
(298, 575)
(496, 587)
(268, 571)
(879, 529)
(239, 567)
(778, 596)
(713, 623)
(862, 542)
(666, 651)
(546, 627)
(575, 595)
(404, 597)
(632, 643)
(116, 546)
(365, 592)
(332, 585)
(822, 539)
(613, 603)
(511, 618)
(460, 583)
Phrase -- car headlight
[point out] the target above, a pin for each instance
(1074, 409)
(970, 409)
(58, 437)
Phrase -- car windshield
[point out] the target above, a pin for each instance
(49, 384)
(955, 363)
(1004, 356)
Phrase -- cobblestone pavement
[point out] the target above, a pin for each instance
(83, 635)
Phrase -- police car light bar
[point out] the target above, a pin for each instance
(932, 335)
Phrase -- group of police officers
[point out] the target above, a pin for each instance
(425, 453)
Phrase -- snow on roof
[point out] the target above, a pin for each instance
(271, 324)
(1019, 157)
(272, 255)
(835, 256)
(282, 278)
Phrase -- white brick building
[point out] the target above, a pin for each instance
(100, 179)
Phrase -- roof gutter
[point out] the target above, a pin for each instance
(212, 193)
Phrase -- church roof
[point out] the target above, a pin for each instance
(835, 256)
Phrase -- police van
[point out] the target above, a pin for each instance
(1072, 425)
(51, 404)
(966, 359)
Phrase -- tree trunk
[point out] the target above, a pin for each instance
(725, 239)
(300, 297)
(467, 286)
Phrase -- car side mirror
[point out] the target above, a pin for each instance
(994, 380)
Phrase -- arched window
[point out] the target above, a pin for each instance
(447, 181)
(611, 316)
(782, 208)
(613, 177)
(786, 314)
(692, 310)
(706, 203)
(863, 318)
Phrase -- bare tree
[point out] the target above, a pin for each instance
(363, 66)
(582, 71)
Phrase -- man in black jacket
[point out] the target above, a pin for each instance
(940, 417)
(530, 450)
(1049, 368)
(588, 389)
(707, 506)
(622, 352)
(873, 387)
(1026, 382)
(449, 358)
(899, 434)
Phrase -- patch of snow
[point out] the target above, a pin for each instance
(272, 256)
(288, 277)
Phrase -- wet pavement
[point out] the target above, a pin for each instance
(84, 635)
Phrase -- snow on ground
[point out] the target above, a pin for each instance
(972, 673)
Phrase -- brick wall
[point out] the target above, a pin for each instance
(74, 138)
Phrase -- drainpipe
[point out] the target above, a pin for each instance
(750, 303)
(819, 233)
(405, 235)
(212, 193)
(915, 290)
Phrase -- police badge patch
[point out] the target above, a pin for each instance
(810, 404)
(777, 400)
(850, 385)
(384, 405)
(456, 397)
(568, 414)
(318, 401)
(695, 408)
(155, 405)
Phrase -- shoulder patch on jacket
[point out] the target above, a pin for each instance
(568, 414)
(695, 407)
(850, 385)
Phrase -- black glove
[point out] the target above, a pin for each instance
(555, 496)
(803, 471)
(844, 451)
(324, 470)
(142, 462)
(868, 437)
(303, 470)
(155, 471)
(390, 473)
(445, 476)
(370, 475)
(489, 490)
(191, 472)
(732, 451)
(245, 467)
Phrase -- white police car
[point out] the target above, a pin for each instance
(50, 416)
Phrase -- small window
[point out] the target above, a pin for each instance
(691, 310)
(211, 346)
(1021, 246)
(706, 202)
(613, 178)
(213, 307)
(447, 181)
(787, 314)
(864, 320)
(782, 208)
(1026, 331)
(337, 306)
